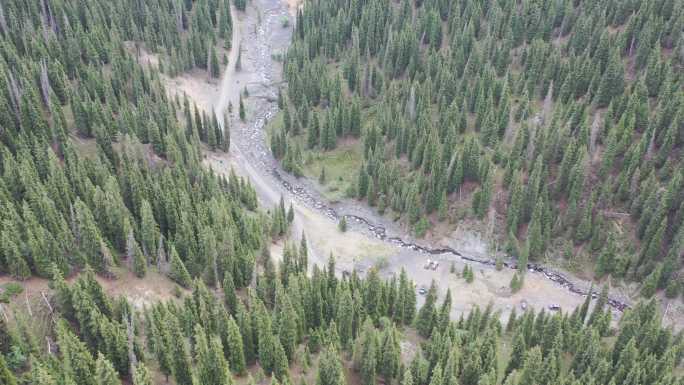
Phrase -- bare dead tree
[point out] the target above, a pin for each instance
(132, 359)
(548, 104)
(595, 127)
(47, 302)
(161, 254)
(411, 104)
(209, 69)
(45, 20)
(28, 305)
(651, 145)
(3, 22)
(45, 84)
(15, 94)
(66, 20)
(4, 314)
(179, 16)
(51, 17)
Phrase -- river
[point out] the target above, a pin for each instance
(262, 36)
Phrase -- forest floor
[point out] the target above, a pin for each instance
(155, 287)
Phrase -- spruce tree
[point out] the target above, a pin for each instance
(342, 224)
(142, 376)
(105, 372)
(427, 313)
(242, 109)
(6, 376)
(234, 348)
(178, 272)
(330, 370)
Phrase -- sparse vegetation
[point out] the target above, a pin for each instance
(10, 290)
(342, 224)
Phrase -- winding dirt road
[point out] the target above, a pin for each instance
(371, 239)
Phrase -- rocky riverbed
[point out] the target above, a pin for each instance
(372, 240)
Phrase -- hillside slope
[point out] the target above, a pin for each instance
(558, 123)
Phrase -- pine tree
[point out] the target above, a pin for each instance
(6, 376)
(584, 309)
(612, 82)
(535, 240)
(142, 376)
(238, 61)
(178, 272)
(212, 367)
(105, 372)
(280, 365)
(330, 370)
(516, 282)
(234, 348)
(426, 316)
(342, 225)
(242, 109)
(214, 68)
(182, 368)
(650, 285)
(139, 262)
(5, 337)
(229, 293)
(532, 368)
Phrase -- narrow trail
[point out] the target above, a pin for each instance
(229, 73)
(260, 35)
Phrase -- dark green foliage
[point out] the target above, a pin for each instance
(70, 206)
(330, 370)
(569, 112)
(214, 68)
(323, 313)
(342, 224)
(105, 372)
(6, 376)
(468, 274)
(517, 282)
(242, 112)
(177, 271)
(427, 315)
(139, 262)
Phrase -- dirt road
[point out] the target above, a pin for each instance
(371, 239)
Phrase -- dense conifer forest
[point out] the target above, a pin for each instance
(349, 330)
(100, 170)
(68, 79)
(559, 123)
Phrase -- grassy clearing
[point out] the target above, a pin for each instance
(340, 164)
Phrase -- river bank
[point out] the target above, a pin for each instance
(372, 240)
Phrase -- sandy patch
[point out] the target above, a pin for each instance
(154, 287)
(196, 86)
(142, 55)
(489, 286)
(348, 248)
